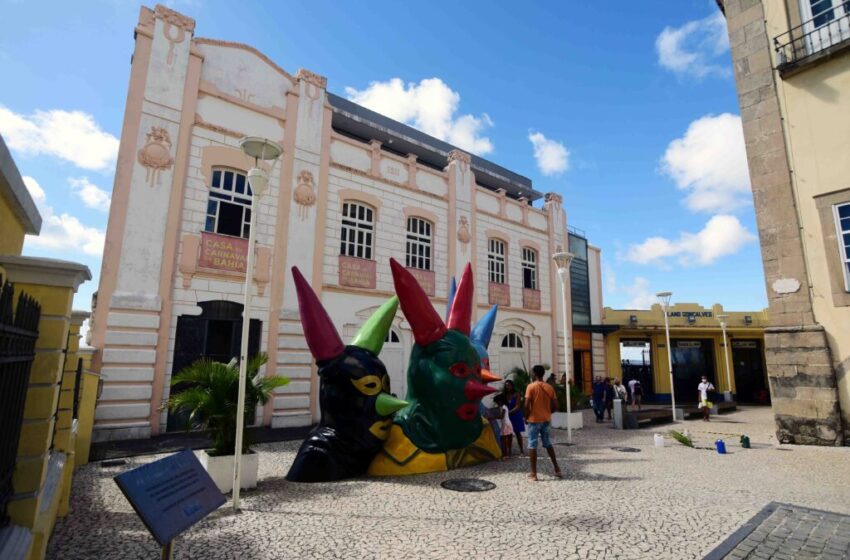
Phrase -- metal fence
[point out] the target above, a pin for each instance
(18, 333)
(821, 34)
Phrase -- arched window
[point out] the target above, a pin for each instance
(229, 205)
(418, 243)
(358, 230)
(512, 340)
(392, 337)
(529, 268)
(496, 252)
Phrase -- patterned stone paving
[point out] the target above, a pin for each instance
(670, 502)
(789, 532)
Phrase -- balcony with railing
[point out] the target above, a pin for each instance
(823, 36)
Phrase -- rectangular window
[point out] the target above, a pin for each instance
(529, 268)
(418, 254)
(842, 224)
(358, 228)
(229, 209)
(496, 261)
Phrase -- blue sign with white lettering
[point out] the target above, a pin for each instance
(171, 495)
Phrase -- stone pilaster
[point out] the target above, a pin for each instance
(799, 367)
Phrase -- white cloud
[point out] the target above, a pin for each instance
(429, 106)
(693, 49)
(62, 232)
(640, 296)
(722, 235)
(710, 163)
(72, 136)
(552, 157)
(91, 195)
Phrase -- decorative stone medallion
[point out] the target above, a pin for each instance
(463, 235)
(155, 155)
(305, 194)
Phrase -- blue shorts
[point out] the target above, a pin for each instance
(538, 430)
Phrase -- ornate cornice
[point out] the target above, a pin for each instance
(312, 78)
(457, 155)
(174, 18)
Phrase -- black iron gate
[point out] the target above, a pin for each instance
(18, 333)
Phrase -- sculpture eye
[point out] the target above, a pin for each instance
(460, 369)
(369, 385)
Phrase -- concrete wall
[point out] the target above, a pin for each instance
(796, 132)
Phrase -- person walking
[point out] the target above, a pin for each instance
(637, 392)
(609, 396)
(598, 397)
(621, 393)
(515, 413)
(540, 401)
(704, 388)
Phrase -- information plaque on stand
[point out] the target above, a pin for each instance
(171, 495)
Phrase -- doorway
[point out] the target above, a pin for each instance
(748, 368)
(636, 363)
(691, 360)
(215, 334)
(392, 354)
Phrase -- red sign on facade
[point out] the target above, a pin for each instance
(426, 279)
(223, 252)
(356, 273)
(530, 299)
(500, 294)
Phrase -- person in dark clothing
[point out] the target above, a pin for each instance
(610, 395)
(598, 396)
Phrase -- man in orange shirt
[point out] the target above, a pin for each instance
(540, 401)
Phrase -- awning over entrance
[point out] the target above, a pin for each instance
(600, 329)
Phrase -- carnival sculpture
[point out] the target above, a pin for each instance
(354, 392)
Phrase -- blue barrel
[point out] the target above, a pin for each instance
(721, 446)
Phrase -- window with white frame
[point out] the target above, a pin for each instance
(842, 223)
(358, 229)
(229, 205)
(511, 340)
(529, 268)
(418, 243)
(496, 251)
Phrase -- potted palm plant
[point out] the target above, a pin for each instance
(578, 402)
(210, 399)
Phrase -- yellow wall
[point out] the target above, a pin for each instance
(816, 106)
(11, 230)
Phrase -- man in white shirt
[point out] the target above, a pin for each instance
(703, 389)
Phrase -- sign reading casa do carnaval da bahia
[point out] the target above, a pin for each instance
(223, 253)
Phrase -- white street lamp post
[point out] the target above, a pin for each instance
(562, 261)
(664, 298)
(258, 180)
(727, 395)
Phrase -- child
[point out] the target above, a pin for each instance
(507, 428)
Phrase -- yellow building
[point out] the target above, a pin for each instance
(43, 402)
(792, 69)
(637, 349)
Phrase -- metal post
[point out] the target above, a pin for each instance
(563, 274)
(167, 552)
(243, 352)
(726, 355)
(670, 363)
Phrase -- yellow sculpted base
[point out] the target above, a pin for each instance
(400, 456)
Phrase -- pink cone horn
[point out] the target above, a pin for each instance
(319, 330)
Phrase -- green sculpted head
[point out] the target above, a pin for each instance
(444, 377)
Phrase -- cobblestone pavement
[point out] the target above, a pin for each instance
(790, 532)
(671, 502)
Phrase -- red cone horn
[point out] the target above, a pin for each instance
(460, 315)
(427, 325)
(319, 330)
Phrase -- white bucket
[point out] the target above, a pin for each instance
(659, 440)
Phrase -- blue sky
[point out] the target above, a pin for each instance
(627, 109)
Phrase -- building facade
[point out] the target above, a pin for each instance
(792, 68)
(637, 349)
(351, 190)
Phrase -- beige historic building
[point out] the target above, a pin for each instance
(792, 67)
(352, 189)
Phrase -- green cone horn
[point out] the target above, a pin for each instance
(374, 332)
(386, 404)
